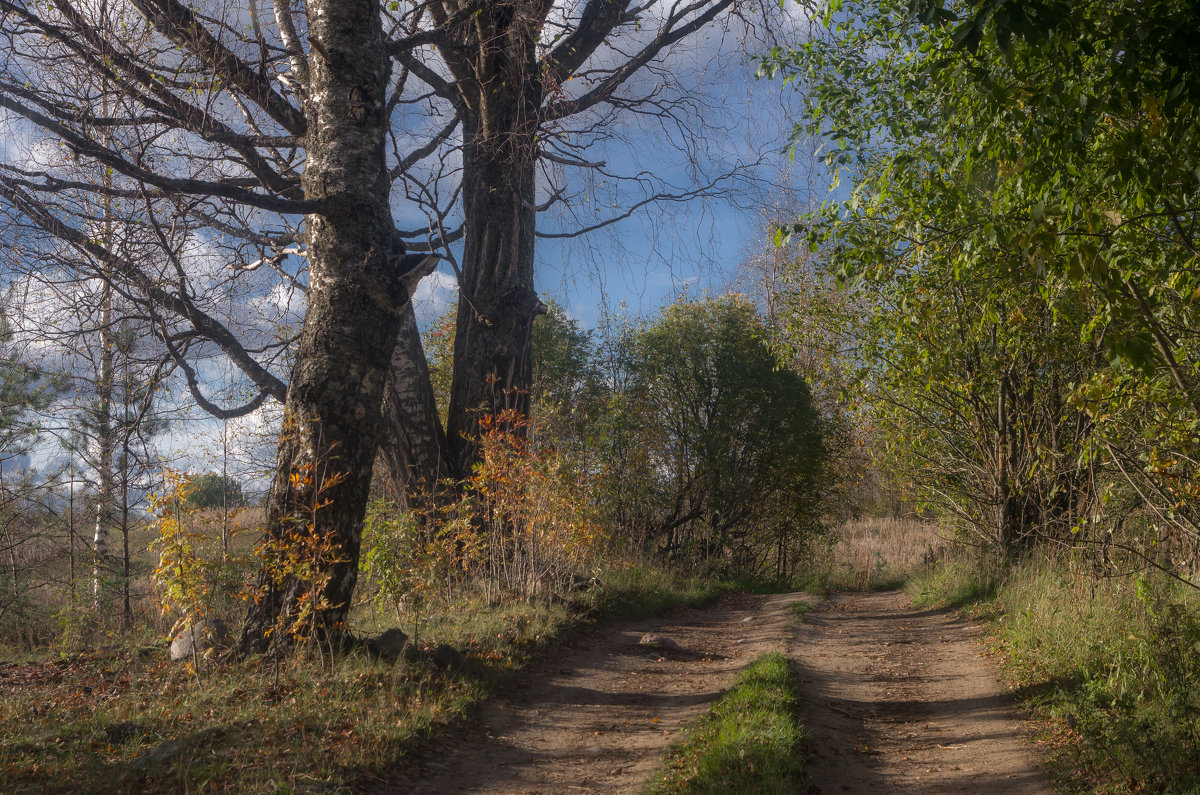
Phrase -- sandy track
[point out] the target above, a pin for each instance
(597, 715)
(896, 699)
(899, 699)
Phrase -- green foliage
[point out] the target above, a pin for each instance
(211, 490)
(417, 562)
(564, 374)
(1021, 204)
(751, 740)
(644, 589)
(567, 391)
(438, 343)
(714, 450)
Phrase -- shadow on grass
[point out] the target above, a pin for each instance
(964, 594)
(1052, 691)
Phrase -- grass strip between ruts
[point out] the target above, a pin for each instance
(751, 740)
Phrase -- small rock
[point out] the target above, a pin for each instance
(209, 633)
(390, 645)
(657, 641)
(160, 754)
(749, 618)
(448, 658)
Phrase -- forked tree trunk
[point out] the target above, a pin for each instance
(355, 298)
(501, 91)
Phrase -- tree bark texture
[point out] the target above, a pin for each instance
(508, 95)
(413, 449)
(501, 87)
(326, 453)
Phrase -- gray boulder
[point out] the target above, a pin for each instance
(390, 645)
(208, 633)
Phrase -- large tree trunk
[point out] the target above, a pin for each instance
(499, 83)
(356, 294)
(493, 367)
(497, 303)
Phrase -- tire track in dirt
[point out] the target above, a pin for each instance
(899, 699)
(596, 715)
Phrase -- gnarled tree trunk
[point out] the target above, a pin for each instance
(493, 368)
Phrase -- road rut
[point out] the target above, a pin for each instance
(900, 699)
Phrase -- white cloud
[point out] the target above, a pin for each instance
(434, 296)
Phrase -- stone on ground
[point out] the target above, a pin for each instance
(208, 633)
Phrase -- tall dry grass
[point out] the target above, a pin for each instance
(874, 554)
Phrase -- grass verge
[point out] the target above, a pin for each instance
(1111, 666)
(751, 740)
(123, 719)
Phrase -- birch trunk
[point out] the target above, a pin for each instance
(355, 299)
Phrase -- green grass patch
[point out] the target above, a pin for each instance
(751, 740)
(960, 581)
(801, 607)
(637, 591)
(1111, 666)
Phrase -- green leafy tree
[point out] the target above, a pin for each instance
(717, 448)
(212, 490)
(568, 392)
(1030, 157)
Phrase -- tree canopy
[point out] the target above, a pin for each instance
(1026, 171)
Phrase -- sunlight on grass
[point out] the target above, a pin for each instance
(751, 740)
(127, 720)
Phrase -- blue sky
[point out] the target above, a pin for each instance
(648, 259)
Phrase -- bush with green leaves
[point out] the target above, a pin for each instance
(1022, 195)
(211, 490)
(714, 453)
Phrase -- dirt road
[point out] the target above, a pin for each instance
(899, 699)
(597, 716)
(896, 699)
